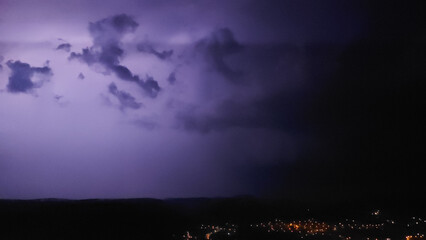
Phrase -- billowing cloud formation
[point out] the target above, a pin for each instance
(86, 56)
(271, 97)
(126, 100)
(20, 78)
(322, 84)
(106, 50)
(216, 47)
(64, 46)
(150, 86)
(147, 48)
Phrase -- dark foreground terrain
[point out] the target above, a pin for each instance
(221, 218)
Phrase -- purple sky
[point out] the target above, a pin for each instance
(121, 99)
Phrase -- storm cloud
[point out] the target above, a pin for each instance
(271, 96)
(147, 48)
(216, 47)
(64, 46)
(106, 50)
(21, 76)
(171, 78)
(126, 100)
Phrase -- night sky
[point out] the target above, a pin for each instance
(200, 98)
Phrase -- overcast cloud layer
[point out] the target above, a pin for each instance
(120, 99)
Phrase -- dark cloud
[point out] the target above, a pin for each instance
(359, 115)
(112, 28)
(216, 47)
(356, 108)
(64, 46)
(147, 48)
(20, 78)
(108, 56)
(149, 85)
(107, 34)
(106, 50)
(124, 73)
(126, 100)
(171, 78)
(278, 92)
(86, 56)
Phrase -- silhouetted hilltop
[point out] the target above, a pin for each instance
(161, 219)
